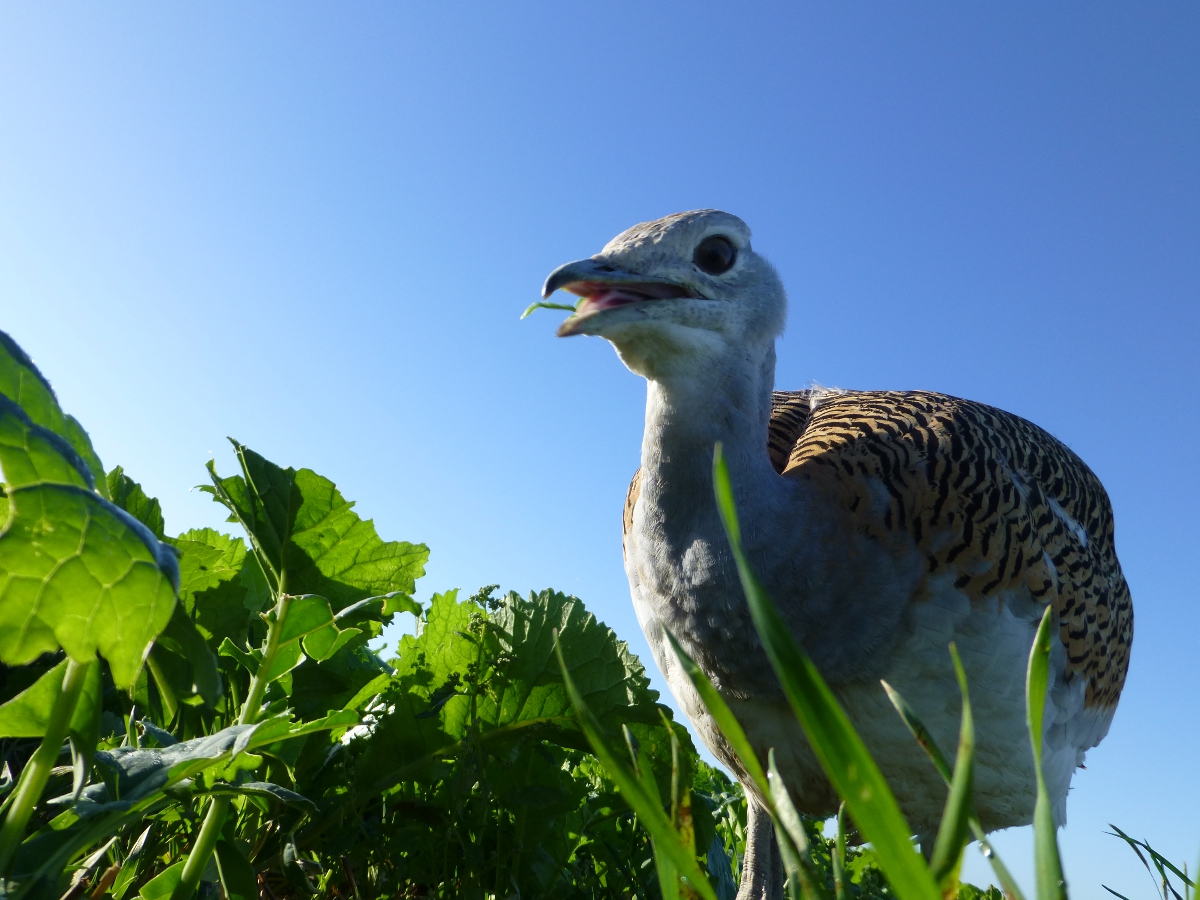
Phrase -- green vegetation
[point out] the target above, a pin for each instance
(204, 714)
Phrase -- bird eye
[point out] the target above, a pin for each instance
(715, 255)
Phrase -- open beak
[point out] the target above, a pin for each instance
(604, 286)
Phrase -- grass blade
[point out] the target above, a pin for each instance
(720, 711)
(1008, 884)
(839, 855)
(919, 731)
(840, 750)
(632, 787)
(793, 842)
(952, 832)
(1160, 862)
(1050, 882)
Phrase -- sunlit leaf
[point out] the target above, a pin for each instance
(75, 570)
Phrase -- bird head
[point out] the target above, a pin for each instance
(677, 294)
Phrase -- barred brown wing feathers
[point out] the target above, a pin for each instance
(989, 498)
(789, 416)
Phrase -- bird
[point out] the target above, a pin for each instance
(883, 524)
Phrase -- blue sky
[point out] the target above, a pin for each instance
(313, 227)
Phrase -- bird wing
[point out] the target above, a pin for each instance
(984, 494)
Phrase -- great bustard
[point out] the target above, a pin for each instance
(884, 524)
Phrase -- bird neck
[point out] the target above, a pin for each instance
(728, 402)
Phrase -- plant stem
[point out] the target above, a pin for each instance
(37, 770)
(218, 807)
(170, 703)
(258, 684)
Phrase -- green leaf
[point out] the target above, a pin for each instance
(237, 874)
(332, 548)
(429, 699)
(22, 383)
(308, 536)
(128, 494)
(952, 832)
(163, 884)
(248, 661)
(75, 570)
(840, 750)
(220, 584)
(529, 683)
(208, 559)
(27, 715)
(268, 791)
(1050, 882)
(134, 775)
(308, 624)
(378, 609)
(182, 638)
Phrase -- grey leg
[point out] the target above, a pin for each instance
(762, 869)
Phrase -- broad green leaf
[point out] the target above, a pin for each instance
(429, 705)
(75, 570)
(237, 874)
(445, 648)
(208, 559)
(309, 537)
(1050, 882)
(319, 687)
(220, 584)
(335, 550)
(128, 494)
(22, 383)
(838, 747)
(952, 832)
(529, 684)
(264, 500)
(135, 774)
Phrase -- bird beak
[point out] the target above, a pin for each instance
(605, 286)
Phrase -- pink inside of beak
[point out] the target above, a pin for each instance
(598, 296)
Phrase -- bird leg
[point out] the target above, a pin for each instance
(762, 868)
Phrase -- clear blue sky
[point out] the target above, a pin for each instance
(313, 227)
